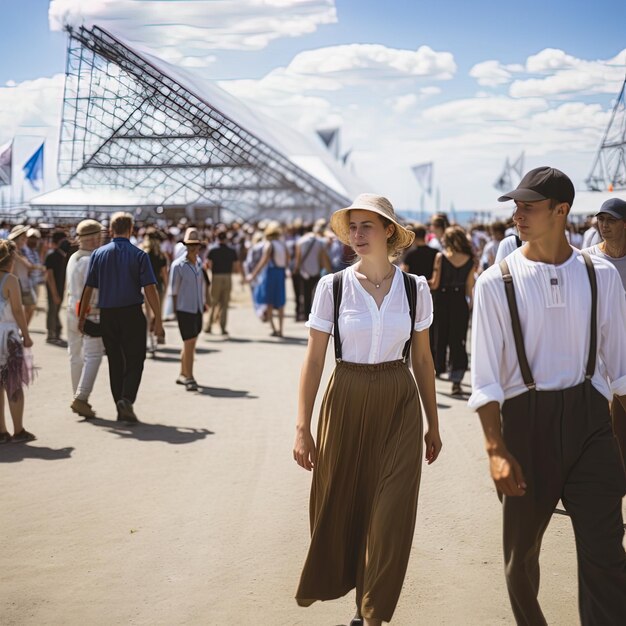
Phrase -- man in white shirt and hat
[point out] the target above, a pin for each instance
(187, 287)
(549, 352)
(611, 221)
(85, 351)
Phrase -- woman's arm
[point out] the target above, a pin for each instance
(15, 298)
(262, 263)
(424, 372)
(469, 288)
(310, 376)
(433, 283)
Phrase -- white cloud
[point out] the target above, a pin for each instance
(197, 27)
(401, 104)
(567, 75)
(484, 110)
(354, 62)
(492, 73)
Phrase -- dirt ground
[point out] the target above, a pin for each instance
(199, 515)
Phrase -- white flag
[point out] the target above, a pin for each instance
(424, 174)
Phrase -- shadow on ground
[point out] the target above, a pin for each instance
(224, 392)
(152, 432)
(16, 452)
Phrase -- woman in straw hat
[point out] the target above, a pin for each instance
(271, 289)
(367, 459)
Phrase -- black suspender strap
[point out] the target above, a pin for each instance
(593, 336)
(411, 293)
(337, 294)
(516, 325)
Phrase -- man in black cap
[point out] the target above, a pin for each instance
(549, 352)
(612, 227)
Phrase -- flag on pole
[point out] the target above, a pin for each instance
(33, 168)
(6, 153)
(424, 174)
(518, 165)
(330, 137)
(503, 183)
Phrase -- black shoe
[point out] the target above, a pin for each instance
(23, 437)
(125, 412)
(456, 389)
(356, 621)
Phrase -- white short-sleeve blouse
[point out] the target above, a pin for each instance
(368, 334)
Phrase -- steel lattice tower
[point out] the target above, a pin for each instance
(129, 125)
(609, 166)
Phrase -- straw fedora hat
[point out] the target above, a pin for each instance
(339, 220)
(191, 237)
(17, 231)
(87, 228)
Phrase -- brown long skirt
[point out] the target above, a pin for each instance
(365, 487)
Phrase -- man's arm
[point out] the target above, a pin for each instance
(152, 296)
(505, 471)
(53, 287)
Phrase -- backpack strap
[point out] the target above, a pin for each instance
(410, 288)
(593, 336)
(516, 326)
(337, 295)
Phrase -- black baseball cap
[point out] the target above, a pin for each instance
(543, 183)
(614, 207)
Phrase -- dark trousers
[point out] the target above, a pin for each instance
(565, 445)
(450, 324)
(124, 337)
(53, 322)
(307, 289)
(296, 282)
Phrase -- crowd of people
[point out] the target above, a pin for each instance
(398, 299)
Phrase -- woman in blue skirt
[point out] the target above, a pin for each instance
(271, 288)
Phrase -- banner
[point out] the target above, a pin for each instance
(6, 152)
(33, 169)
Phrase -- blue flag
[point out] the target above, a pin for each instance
(33, 168)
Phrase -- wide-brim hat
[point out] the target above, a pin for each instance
(191, 237)
(89, 227)
(18, 231)
(340, 222)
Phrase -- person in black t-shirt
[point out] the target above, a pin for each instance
(55, 263)
(420, 259)
(222, 260)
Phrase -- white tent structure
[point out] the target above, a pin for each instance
(139, 132)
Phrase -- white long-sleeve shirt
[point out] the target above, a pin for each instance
(554, 304)
(369, 334)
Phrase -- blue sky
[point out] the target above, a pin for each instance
(500, 80)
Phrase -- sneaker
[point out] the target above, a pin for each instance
(181, 380)
(23, 437)
(191, 384)
(125, 412)
(83, 408)
(5, 437)
(456, 389)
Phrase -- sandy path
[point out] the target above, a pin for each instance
(199, 516)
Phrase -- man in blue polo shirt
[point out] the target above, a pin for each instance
(119, 271)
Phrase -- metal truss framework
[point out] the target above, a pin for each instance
(609, 166)
(128, 125)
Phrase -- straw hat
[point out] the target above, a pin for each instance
(88, 227)
(273, 229)
(17, 231)
(339, 220)
(33, 232)
(191, 237)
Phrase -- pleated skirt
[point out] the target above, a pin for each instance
(365, 487)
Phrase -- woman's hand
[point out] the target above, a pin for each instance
(304, 449)
(27, 342)
(433, 445)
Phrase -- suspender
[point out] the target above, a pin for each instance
(517, 327)
(410, 289)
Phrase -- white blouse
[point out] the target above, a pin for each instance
(555, 311)
(368, 334)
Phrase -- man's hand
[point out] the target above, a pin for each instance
(506, 473)
(159, 331)
(81, 325)
(57, 299)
